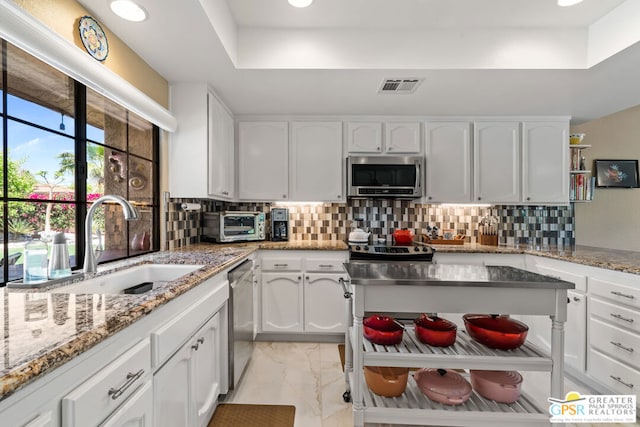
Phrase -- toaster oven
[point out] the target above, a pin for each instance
(233, 226)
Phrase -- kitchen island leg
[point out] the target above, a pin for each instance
(356, 388)
(557, 355)
(348, 349)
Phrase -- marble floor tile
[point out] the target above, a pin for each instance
(309, 376)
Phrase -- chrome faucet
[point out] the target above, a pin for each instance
(130, 213)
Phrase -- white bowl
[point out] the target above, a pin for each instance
(382, 240)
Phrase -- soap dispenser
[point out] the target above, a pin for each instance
(35, 261)
(59, 264)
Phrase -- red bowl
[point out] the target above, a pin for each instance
(495, 331)
(435, 331)
(382, 330)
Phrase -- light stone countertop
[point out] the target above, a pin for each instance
(45, 330)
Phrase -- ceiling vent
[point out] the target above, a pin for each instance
(408, 85)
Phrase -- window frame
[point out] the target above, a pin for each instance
(80, 152)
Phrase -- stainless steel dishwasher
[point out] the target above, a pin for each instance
(241, 323)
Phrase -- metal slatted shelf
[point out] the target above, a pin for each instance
(414, 408)
(465, 353)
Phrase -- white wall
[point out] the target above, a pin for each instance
(612, 219)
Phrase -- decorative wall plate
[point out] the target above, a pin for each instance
(93, 38)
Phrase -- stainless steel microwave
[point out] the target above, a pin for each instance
(385, 176)
(233, 226)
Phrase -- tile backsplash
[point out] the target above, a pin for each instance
(538, 225)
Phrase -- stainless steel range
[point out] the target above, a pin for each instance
(415, 252)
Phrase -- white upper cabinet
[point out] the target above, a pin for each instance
(263, 160)
(399, 137)
(364, 137)
(221, 150)
(448, 162)
(201, 163)
(317, 166)
(496, 166)
(545, 166)
(402, 137)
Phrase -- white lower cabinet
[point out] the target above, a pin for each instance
(323, 303)
(301, 292)
(111, 386)
(137, 411)
(186, 388)
(282, 302)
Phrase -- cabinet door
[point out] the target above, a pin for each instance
(137, 411)
(263, 161)
(324, 303)
(317, 167)
(206, 370)
(545, 164)
(188, 146)
(172, 390)
(402, 137)
(496, 173)
(575, 332)
(448, 162)
(220, 150)
(282, 302)
(364, 137)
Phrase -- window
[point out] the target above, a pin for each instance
(63, 146)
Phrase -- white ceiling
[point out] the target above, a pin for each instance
(489, 57)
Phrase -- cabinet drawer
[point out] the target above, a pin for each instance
(579, 280)
(616, 314)
(169, 337)
(613, 374)
(98, 397)
(628, 295)
(615, 342)
(282, 264)
(328, 265)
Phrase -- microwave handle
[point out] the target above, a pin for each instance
(418, 175)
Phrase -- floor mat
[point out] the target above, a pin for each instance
(239, 415)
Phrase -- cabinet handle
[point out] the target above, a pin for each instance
(429, 197)
(479, 198)
(201, 340)
(619, 345)
(307, 278)
(299, 278)
(620, 294)
(528, 198)
(325, 265)
(618, 316)
(130, 379)
(280, 265)
(576, 299)
(195, 346)
(338, 196)
(630, 385)
(284, 196)
(390, 148)
(377, 148)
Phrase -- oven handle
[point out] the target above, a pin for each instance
(418, 175)
(347, 294)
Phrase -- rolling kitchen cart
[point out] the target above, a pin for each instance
(408, 289)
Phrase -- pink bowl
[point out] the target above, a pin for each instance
(443, 385)
(501, 386)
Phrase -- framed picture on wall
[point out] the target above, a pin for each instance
(616, 173)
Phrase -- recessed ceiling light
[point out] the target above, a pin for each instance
(129, 10)
(300, 3)
(568, 2)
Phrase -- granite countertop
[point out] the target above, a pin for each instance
(42, 330)
(611, 259)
